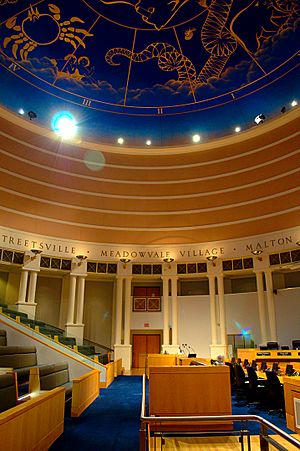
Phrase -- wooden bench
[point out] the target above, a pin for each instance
(8, 391)
(20, 358)
(81, 392)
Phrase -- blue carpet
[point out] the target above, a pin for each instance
(112, 423)
(253, 426)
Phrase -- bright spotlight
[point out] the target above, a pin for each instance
(120, 140)
(237, 129)
(294, 103)
(259, 119)
(196, 138)
(21, 111)
(148, 142)
(64, 125)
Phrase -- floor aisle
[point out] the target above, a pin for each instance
(111, 423)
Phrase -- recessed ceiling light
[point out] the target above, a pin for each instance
(294, 103)
(21, 111)
(237, 129)
(64, 125)
(148, 142)
(196, 138)
(120, 140)
(257, 252)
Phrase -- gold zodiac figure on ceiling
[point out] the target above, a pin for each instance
(28, 35)
(153, 12)
(217, 37)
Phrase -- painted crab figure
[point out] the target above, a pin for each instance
(42, 29)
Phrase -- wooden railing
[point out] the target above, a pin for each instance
(34, 424)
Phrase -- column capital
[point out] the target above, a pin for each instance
(258, 271)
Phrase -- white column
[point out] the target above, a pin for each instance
(123, 351)
(174, 311)
(127, 316)
(118, 317)
(261, 306)
(71, 301)
(223, 333)
(113, 316)
(166, 311)
(32, 287)
(23, 286)
(271, 306)
(80, 300)
(213, 318)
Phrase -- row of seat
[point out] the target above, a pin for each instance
(251, 389)
(54, 333)
(20, 368)
(274, 345)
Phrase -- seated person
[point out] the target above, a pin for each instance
(220, 360)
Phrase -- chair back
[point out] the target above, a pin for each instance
(252, 377)
(239, 375)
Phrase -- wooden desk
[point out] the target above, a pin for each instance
(292, 355)
(159, 360)
(190, 390)
(291, 385)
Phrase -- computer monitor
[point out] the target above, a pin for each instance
(193, 355)
(296, 344)
(263, 366)
(272, 345)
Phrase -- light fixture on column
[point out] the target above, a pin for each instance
(168, 260)
(124, 261)
(81, 258)
(35, 253)
(257, 252)
(212, 258)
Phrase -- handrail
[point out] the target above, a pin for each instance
(202, 418)
(99, 345)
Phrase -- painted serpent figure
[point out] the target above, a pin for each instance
(216, 39)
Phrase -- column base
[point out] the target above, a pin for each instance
(123, 352)
(170, 349)
(216, 350)
(75, 330)
(27, 307)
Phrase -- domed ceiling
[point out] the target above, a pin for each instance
(150, 69)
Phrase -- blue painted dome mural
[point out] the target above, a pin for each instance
(150, 69)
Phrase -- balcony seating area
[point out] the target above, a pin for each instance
(55, 333)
